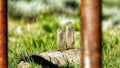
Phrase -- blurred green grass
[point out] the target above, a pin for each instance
(111, 49)
(31, 32)
(25, 39)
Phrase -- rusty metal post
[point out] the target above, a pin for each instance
(3, 34)
(91, 33)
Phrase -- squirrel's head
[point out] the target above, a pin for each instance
(59, 30)
(69, 25)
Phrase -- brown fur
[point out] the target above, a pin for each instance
(60, 38)
(69, 36)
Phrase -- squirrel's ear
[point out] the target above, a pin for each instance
(69, 22)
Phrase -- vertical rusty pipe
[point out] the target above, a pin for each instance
(91, 33)
(3, 34)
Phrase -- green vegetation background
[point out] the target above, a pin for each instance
(32, 26)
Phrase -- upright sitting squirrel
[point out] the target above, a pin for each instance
(60, 39)
(69, 36)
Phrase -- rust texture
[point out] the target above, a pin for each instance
(3, 34)
(91, 34)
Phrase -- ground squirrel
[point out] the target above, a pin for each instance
(69, 36)
(60, 39)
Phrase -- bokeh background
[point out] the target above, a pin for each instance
(32, 26)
